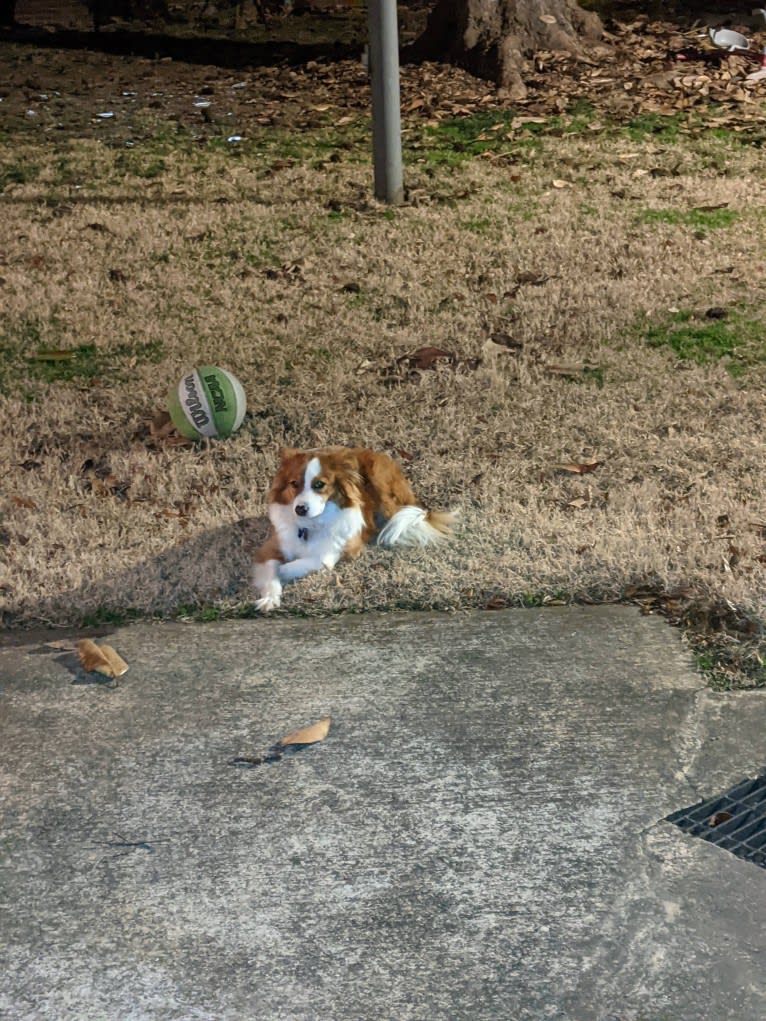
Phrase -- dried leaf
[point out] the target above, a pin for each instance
(21, 502)
(718, 818)
(579, 469)
(426, 358)
(309, 735)
(506, 340)
(565, 370)
(532, 278)
(161, 426)
(100, 659)
(53, 356)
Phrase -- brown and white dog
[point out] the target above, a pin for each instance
(329, 503)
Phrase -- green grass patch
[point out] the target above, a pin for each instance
(457, 139)
(17, 173)
(724, 671)
(654, 125)
(173, 154)
(280, 147)
(86, 361)
(35, 351)
(698, 219)
(53, 366)
(321, 355)
(114, 618)
(139, 164)
(593, 374)
(482, 225)
(739, 341)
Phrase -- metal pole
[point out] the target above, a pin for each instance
(386, 116)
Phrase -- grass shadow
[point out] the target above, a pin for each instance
(221, 557)
(216, 51)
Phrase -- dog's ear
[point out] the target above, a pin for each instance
(348, 478)
(350, 486)
(285, 453)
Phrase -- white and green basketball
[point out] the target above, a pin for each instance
(207, 403)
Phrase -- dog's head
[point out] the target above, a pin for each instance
(308, 480)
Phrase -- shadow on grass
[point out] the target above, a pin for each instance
(115, 200)
(218, 52)
(202, 577)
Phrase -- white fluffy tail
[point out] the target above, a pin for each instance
(414, 526)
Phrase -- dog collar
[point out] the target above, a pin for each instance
(303, 533)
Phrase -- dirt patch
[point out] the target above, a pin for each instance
(60, 78)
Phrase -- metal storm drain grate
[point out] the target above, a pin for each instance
(735, 821)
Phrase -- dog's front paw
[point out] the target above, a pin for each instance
(271, 598)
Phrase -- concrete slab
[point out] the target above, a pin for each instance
(479, 837)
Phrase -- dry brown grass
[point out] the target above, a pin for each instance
(309, 293)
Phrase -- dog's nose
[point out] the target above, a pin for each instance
(301, 510)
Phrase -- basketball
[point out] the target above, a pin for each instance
(208, 403)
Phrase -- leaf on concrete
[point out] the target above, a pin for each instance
(308, 735)
(61, 645)
(101, 659)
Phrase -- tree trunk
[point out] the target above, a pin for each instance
(496, 38)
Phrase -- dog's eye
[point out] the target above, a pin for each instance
(295, 484)
(317, 484)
